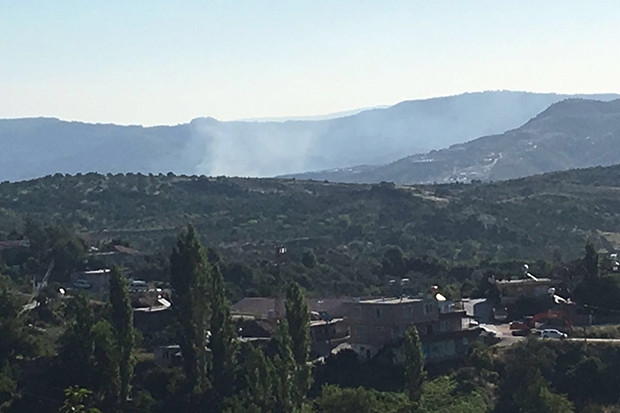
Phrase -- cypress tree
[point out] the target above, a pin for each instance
(223, 340)
(298, 322)
(283, 370)
(121, 317)
(258, 375)
(190, 280)
(105, 367)
(590, 261)
(414, 363)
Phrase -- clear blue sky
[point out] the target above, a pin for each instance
(166, 62)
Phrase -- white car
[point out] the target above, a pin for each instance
(552, 333)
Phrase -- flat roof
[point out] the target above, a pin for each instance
(391, 300)
(526, 281)
(97, 272)
(325, 322)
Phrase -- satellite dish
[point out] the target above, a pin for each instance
(527, 267)
(551, 291)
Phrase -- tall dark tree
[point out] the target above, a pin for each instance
(283, 370)
(257, 371)
(190, 280)
(89, 354)
(298, 321)
(76, 344)
(590, 261)
(223, 340)
(414, 363)
(121, 317)
(105, 370)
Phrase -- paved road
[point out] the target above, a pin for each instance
(595, 340)
(504, 333)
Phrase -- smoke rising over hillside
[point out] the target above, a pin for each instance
(38, 147)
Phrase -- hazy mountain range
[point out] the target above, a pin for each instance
(42, 146)
(574, 133)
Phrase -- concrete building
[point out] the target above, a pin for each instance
(512, 290)
(377, 323)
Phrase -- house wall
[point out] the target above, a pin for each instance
(379, 323)
(375, 324)
(511, 291)
(451, 321)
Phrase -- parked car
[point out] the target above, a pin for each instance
(80, 283)
(552, 333)
(138, 286)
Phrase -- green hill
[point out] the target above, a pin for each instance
(336, 235)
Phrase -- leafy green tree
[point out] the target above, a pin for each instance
(298, 322)
(524, 387)
(89, 354)
(534, 396)
(8, 386)
(334, 399)
(77, 401)
(550, 402)
(53, 243)
(257, 371)
(308, 259)
(76, 344)
(444, 394)
(394, 262)
(223, 339)
(414, 363)
(190, 280)
(15, 338)
(121, 315)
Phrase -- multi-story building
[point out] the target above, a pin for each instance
(380, 322)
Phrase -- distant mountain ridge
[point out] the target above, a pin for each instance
(574, 133)
(42, 146)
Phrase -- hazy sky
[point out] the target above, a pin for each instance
(166, 62)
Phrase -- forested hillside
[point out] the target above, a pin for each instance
(266, 236)
(339, 238)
